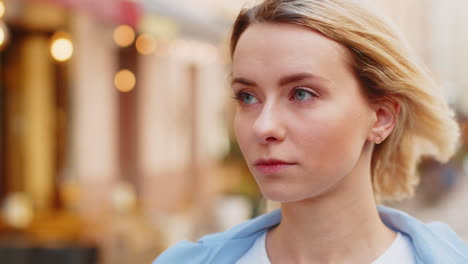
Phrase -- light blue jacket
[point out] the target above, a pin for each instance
(433, 243)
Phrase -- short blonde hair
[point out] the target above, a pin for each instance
(387, 71)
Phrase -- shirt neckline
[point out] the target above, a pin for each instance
(396, 245)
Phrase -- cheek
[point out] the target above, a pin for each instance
(332, 137)
(241, 130)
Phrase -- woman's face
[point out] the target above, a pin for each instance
(301, 120)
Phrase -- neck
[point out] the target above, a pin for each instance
(342, 224)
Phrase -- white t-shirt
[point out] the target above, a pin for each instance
(401, 251)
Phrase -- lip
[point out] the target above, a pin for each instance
(272, 166)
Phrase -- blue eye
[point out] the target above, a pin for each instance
(246, 98)
(301, 95)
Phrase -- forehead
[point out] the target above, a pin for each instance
(281, 47)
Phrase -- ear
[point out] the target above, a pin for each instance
(386, 113)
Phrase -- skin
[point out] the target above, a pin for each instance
(299, 101)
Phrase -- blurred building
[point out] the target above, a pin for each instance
(436, 30)
(113, 119)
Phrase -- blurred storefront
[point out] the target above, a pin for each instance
(34, 116)
(114, 126)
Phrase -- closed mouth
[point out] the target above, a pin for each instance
(272, 166)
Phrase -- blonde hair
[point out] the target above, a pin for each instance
(387, 71)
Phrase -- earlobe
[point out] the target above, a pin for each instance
(378, 139)
(386, 114)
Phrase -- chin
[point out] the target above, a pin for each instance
(282, 195)
(289, 194)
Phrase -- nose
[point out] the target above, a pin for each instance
(268, 126)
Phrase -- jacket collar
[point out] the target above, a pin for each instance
(432, 243)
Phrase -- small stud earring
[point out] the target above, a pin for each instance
(378, 139)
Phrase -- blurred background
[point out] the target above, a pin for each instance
(115, 125)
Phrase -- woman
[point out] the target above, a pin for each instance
(333, 115)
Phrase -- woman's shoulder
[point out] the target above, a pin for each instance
(434, 242)
(222, 247)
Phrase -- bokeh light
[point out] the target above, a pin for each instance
(3, 35)
(61, 47)
(125, 81)
(146, 44)
(124, 35)
(124, 198)
(17, 210)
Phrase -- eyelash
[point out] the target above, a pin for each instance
(291, 93)
(238, 96)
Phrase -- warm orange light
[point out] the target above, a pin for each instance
(146, 44)
(3, 35)
(124, 35)
(61, 47)
(17, 210)
(125, 81)
(124, 198)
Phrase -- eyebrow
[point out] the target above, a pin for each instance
(299, 77)
(283, 80)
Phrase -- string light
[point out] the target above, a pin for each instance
(125, 81)
(146, 44)
(124, 35)
(61, 47)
